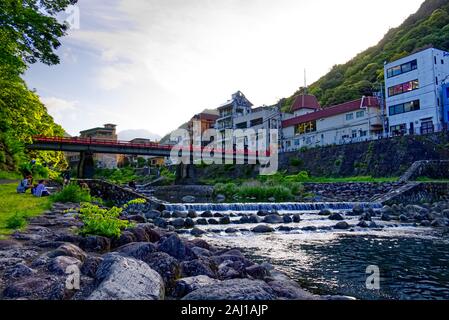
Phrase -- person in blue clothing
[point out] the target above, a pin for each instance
(24, 184)
(40, 190)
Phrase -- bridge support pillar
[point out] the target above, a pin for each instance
(185, 173)
(86, 168)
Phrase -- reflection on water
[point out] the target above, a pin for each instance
(413, 262)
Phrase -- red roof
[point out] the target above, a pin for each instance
(306, 102)
(332, 111)
(206, 116)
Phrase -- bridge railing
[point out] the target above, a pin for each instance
(152, 145)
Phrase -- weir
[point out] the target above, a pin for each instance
(293, 206)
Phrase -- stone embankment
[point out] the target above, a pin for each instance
(50, 260)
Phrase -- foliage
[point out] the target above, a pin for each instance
(296, 162)
(253, 192)
(29, 33)
(102, 222)
(72, 193)
(137, 201)
(169, 177)
(17, 221)
(24, 205)
(117, 176)
(362, 75)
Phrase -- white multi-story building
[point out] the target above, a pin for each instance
(414, 92)
(354, 121)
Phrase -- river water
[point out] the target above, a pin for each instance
(413, 261)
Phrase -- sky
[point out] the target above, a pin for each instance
(150, 65)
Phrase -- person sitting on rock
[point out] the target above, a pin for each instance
(41, 190)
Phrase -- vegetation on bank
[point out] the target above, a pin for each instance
(16, 208)
(22, 114)
(122, 176)
(364, 74)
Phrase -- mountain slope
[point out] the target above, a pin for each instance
(362, 75)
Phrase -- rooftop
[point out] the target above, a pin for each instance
(307, 101)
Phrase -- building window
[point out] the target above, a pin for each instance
(305, 127)
(435, 59)
(436, 80)
(354, 133)
(256, 122)
(349, 116)
(403, 88)
(296, 142)
(404, 107)
(403, 68)
(288, 144)
(242, 125)
(360, 114)
(427, 127)
(442, 61)
(398, 130)
(363, 133)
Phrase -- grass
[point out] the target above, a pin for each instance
(15, 208)
(427, 179)
(7, 175)
(350, 179)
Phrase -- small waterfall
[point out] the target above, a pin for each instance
(242, 207)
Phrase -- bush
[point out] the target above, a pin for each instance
(295, 162)
(102, 222)
(72, 193)
(17, 221)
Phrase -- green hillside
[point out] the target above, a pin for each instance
(362, 75)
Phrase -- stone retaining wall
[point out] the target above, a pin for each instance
(416, 193)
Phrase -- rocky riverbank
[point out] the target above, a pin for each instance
(145, 263)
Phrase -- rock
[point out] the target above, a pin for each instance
(273, 219)
(178, 223)
(160, 222)
(201, 221)
(363, 224)
(403, 218)
(200, 243)
(192, 214)
(336, 216)
(438, 223)
(124, 278)
(186, 285)
(20, 270)
(385, 217)
(136, 218)
(137, 250)
(42, 288)
(179, 214)
(342, 225)
(167, 266)
(386, 209)
(166, 214)
(225, 220)
(284, 228)
(90, 266)
(296, 218)
(175, 247)
(262, 229)
(188, 199)
(243, 220)
(287, 219)
(257, 271)
(262, 213)
(231, 230)
(197, 232)
(95, 243)
(309, 228)
(290, 290)
(357, 209)
(69, 250)
(189, 223)
(201, 252)
(325, 212)
(125, 238)
(207, 214)
(425, 223)
(152, 214)
(235, 289)
(218, 215)
(254, 219)
(373, 225)
(213, 221)
(197, 267)
(60, 264)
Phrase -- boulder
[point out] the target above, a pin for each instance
(90, 266)
(290, 290)
(363, 224)
(262, 213)
(196, 232)
(220, 198)
(225, 220)
(59, 265)
(213, 221)
(342, 225)
(95, 244)
(287, 219)
(36, 287)
(160, 222)
(243, 220)
(20, 270)
(336, 216)
(296, 218)
(167, 266)
(257, 271)
(385, 216)
(188, 199)
(201, 252)
(235, 289)
(273, 219)
(231, 230)
(218, 215)
(137, 250)
(254, 219)
(197, 267)
(189, 223)
(152, 214)
(403, 218)
(125, 238)
(309, 228)
(136, 218)
(186, 285)
(175, 247)
(179, 214)
(178, 223)
(192, 214)
(357, 209)
(262, 229)
(166, 214)
(123, 278)
(201, 221)
(69, 250)
(207, 214)
(438, 223)
(325, 212)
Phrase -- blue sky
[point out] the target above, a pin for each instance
(153, 64)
